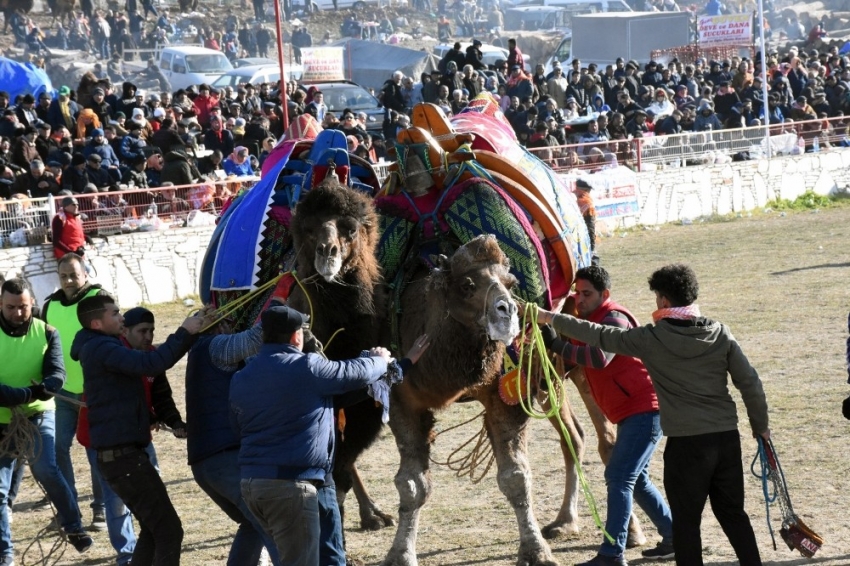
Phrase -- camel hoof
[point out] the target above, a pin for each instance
(376, 520)
(400, 559)
(635, 540)
(560, 530)
(536, 556)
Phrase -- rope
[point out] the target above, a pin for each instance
(526, 364)
(481, 451)
(22, 441)
(764, 476)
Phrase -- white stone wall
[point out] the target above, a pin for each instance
(157, 267)
(674, 194)
(146, 267)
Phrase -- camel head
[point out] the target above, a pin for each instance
(335, 230)
(475, 284)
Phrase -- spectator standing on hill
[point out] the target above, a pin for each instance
(515, 55)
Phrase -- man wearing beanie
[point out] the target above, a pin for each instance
(287, 441)
(98, 145)
(74, 178)
(60, 311)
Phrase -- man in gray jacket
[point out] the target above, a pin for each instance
(689, 357)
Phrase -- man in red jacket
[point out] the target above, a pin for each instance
(621, 387)
(67, 227)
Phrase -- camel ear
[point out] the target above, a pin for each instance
(441, 262)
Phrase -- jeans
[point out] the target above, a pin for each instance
(46, 472)
(627, 479)
(119, 521)
(218, 476)
(67, 415)
(708, 466)
(132, 477)
(331, 542)
(289, 511)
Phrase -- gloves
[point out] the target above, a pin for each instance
(81, 251)
(845, 408)
(179, 430)
(549, 335)
(39, 392)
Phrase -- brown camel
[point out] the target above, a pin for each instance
(465, 306)
(335, 231)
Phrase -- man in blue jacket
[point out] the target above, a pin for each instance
(119, 421)
(282, 406)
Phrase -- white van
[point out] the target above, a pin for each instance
(187, 65)
(257, 74)
(578, 7)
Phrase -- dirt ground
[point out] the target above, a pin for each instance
(779, 282)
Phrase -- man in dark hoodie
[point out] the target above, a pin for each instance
(128, 99)
(690, 358)
(119, 420)
(60, 311)
(31, 372)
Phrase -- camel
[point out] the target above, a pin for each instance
(335, 231)
(465, 307)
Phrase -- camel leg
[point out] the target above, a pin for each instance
(607, 435)
(371, 516)
(507, 427)
(566, 523)
(412, 430)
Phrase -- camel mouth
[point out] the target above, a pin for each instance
(503, 321)
(328, 267)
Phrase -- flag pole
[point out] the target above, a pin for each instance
(283, 80)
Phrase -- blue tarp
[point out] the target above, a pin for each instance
(22, 78)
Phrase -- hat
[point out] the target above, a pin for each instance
(96, 132)
(476, 43)
(43, 126)
(177, 109)
(64, 90)
(640, 112)
(138, 112)
(515, 67)
(98, 91)
(681, 87)
(95, 157)
(36, 163)
(159, 113)
(28, 99)
(44, 94)
(281, 319)
(120, 114)
(133, 125)
(68, 201)
(240, 122)
(138, 315)
(580, 184)
(53, 163)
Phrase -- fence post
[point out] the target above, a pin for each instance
(639, 149)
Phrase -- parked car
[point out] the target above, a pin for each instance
(339, 95)
(187, 65)
(256, 74)
(316, 5)
(490, 53)
(253, 61)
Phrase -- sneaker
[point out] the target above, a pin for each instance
(80, 540)
(98, 520)
(603, 560)
(662, 551)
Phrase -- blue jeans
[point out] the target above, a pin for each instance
(331, 544)
(289, 511)
(218, 476)
(67, 415)
(46, 472)
(119, 521)
(627, 478)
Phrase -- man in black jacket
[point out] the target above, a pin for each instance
(119, 420)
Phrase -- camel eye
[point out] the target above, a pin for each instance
(468, 285)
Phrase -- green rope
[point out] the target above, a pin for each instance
(529, 320)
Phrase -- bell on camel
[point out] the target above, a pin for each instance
(418, 179)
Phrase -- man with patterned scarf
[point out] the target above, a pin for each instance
(688, 358)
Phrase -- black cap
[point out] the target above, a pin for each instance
(68, 201)
(581, 184)
(138, 315)
(282, 319)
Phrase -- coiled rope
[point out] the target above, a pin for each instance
(22, 441)
(480, 454)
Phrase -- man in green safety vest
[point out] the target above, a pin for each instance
(31, 372)
(60, 312)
